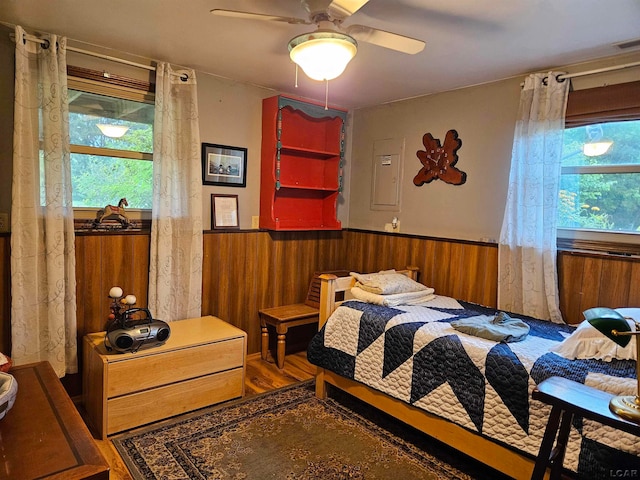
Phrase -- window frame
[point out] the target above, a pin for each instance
(102, 83)
(610, 103)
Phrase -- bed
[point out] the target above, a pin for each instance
(471, 393)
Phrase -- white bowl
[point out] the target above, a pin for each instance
(8, 391)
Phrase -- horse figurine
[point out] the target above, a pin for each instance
(111, 212)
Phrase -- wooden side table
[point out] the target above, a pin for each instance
(568, 398)
(43, 435)
(283, 318)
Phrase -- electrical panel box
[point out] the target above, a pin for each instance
(387, 174)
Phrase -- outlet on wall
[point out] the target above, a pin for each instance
(388, 227)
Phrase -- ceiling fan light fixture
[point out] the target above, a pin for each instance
(322, 55)
(112, 131)
(595, 145)
(595, 149)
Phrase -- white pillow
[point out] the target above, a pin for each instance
(586, 342)
(387, 282)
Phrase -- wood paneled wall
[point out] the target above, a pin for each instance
(241, 273)
(104, 261)
(247, 270)
(463, 270)
(469, 270)
(596, 280)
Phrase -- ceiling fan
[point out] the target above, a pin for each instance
(325, 53)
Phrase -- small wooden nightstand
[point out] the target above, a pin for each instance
(283, 318)
(568, 398)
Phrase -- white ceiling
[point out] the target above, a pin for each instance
(467, 41)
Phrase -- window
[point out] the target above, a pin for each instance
(600, 174)
(600, 182)
(111, 136)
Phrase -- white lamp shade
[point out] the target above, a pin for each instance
(322, 55)
(113, 131)
(595, 149)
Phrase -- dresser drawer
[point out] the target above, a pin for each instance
(149, 371)
(151, 405)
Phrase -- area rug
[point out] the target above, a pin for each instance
(286, 434)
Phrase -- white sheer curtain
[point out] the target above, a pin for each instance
(43, 283)
(527, 272)
(175, 273)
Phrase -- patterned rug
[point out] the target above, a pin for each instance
(290, 434)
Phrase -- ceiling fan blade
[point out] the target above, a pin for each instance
(341, 9)
(259, 16)
(385, 39)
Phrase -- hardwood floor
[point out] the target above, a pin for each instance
(261, 376)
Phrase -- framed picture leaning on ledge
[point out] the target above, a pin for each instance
(224, 211)
(224, 165)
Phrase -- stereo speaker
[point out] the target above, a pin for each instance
(133, 337)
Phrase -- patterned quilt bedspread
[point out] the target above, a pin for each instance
(414, 354)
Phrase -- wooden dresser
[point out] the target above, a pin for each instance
(202, 363)
(43, 435)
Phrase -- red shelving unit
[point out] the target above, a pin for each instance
(302, 158)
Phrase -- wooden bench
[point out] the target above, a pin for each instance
(284, 317)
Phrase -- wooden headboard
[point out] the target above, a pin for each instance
(313, 295)
(331, 285)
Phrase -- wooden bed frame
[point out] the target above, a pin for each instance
(510, 462)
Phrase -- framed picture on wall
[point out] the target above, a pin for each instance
(224, 165)
(224, 211)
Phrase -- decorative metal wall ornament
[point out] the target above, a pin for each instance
(439, 161)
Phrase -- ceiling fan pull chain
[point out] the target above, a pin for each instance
(326, 94)
(296, 76)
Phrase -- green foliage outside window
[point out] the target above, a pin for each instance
(99, 181)
(104, 174)
(601, 192)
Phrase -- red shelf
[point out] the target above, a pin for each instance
(300, 191)
(308, 187)
(303, 209)
(308, 152)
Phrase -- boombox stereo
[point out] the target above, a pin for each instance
(131, 335)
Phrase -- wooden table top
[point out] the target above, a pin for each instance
(43, 435)
(582, 400)
(286, 313)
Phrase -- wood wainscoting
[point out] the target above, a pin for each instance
(244, 271)
(104, 261)
(454, 268)
(588, 280)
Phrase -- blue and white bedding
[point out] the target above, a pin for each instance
(414, 354)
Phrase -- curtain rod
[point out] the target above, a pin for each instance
(183, 76)
(113, 59)
(599, 70)
(565, 76)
